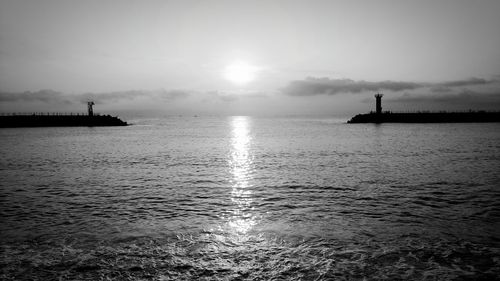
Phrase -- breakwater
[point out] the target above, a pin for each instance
(57, 120)
(427, 117)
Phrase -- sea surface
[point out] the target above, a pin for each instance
(247, 198)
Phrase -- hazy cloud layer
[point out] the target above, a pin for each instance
(466, 94)
(464, 97)
(134, 94)
(50, 96)
(468, 82)
(176, 101)
(324, 86)
(230, 96)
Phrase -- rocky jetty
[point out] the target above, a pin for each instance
(56, 120)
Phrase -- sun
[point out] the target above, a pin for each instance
(240, 72)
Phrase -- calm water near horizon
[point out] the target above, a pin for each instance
(246, 198)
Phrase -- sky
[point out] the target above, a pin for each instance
(248, 57)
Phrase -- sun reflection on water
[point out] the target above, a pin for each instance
(242, 219)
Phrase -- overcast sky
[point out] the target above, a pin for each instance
(249, 57)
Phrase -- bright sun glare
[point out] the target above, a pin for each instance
(240, 72)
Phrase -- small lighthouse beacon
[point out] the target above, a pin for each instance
(378, 98)
(91, 110)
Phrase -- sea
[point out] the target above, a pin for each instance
(250, 198)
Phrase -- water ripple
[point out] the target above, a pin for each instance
(251, 198)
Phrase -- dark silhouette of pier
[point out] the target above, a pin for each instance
(424, 116)
(60, 119)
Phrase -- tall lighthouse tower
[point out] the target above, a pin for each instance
(378, 98)
(91, 110)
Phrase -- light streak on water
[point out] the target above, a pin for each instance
(241, 221)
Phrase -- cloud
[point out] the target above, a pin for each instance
(134, 94)
(51, 96)
(449, 86)
(233, 96)
(469, 82)
(256, 95)
(173, 94)
(465, 97)
(441, 89)
(324, 86)
(211, 96)
(47, 96)
(111, 96)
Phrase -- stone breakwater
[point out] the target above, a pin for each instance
(427, 117)
(11, 121)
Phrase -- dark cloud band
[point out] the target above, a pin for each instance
(325, 86)
(50, 96)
